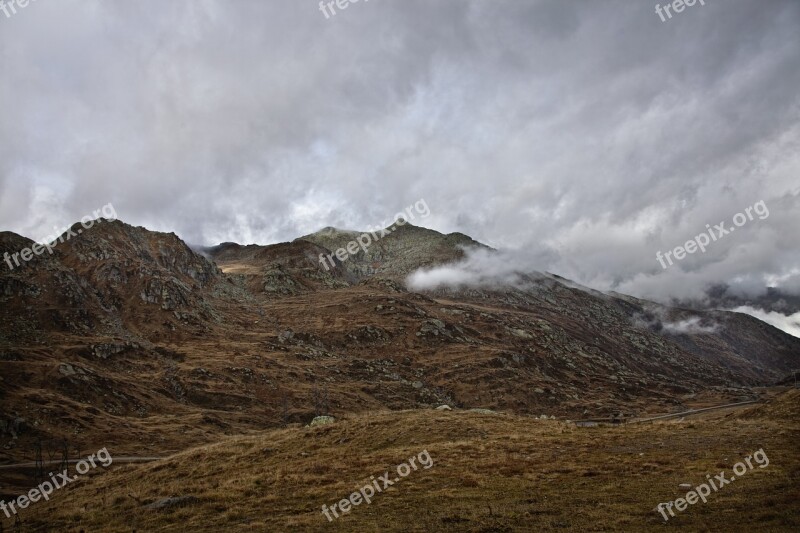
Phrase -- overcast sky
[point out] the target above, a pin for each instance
(587, 135)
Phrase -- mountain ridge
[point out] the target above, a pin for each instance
(167, 348)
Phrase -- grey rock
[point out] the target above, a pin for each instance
(322, 421)
(521, 333)
(66, 369)
(165, 503)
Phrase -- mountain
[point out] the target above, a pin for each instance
(130, 338)
(722, 297)
(397, 253)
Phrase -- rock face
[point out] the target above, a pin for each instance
(109, 279)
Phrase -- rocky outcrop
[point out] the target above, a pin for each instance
(322, 421)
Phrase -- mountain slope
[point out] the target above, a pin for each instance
(128, 337)
(404, 249)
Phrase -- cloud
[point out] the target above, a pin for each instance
(581, 136)
(657, 319)
(690, 326)
(790, 324)
(480, 268)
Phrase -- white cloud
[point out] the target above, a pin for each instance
(790, 324)
(590, 133)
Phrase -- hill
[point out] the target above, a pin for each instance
(489, 472)
(130, 339)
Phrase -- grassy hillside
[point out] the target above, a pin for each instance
(491, 472)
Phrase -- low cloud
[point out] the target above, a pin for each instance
(656, 319)
(690, 326)
(790, 324)
(480, 268)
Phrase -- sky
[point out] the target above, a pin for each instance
(581, 137)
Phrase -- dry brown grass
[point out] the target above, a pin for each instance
(491, 473)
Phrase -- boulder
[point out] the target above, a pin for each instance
(166, 503)
(322, 421)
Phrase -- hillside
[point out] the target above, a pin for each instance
(490, 472)
(404, 249)
(128, 338)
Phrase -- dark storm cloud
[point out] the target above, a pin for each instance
(584, 135)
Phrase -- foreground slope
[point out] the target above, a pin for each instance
(491, 472)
